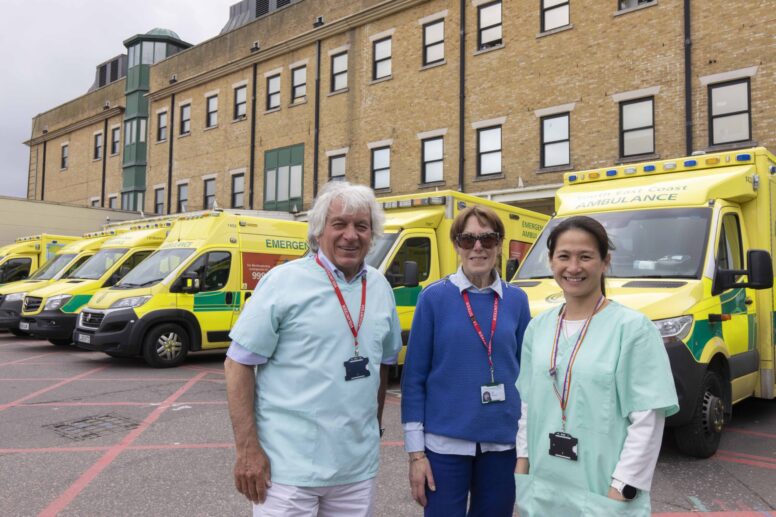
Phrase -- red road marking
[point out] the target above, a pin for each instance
(61, 502)
(768, 459)
(203, 369)
(47, 450)
(715, 514)
(91, 404)
(27, 359)
(52, 387)
(744, 461)
(750, 433)
(103, 379)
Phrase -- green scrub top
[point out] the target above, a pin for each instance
(621, 367)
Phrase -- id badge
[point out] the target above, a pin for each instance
(355, 368)
(563, 445)
(492, 393)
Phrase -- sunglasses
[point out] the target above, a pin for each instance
(487, 240)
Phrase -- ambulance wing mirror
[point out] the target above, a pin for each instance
(759, 273)
(410, 273)
(512, 265)
(189, 282)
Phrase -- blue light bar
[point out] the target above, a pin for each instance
(649, 168)
(573, 177)
(744, 157)
(611, 172)
(690, 163)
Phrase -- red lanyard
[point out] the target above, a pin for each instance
(353, 329)
(563, 397)
(487, 344)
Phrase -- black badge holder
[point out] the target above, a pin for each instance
(563, 445)
(355, 368)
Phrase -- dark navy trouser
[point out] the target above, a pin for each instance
(488, 476)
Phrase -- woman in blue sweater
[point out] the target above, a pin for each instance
(460, 407)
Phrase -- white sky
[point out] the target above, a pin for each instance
(50, 49)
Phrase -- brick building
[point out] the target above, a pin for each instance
(492, 97)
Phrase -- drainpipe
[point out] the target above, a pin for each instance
(316, 132)
(687, 80)
(43, 176)
(104, 158)
(170, 133)
(461, 95)
(252, 165)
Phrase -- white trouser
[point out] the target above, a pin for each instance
(352, 500)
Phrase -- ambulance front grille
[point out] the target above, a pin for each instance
(91, 319)
(32, 303)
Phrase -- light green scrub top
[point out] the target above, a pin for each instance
(317, 429)
(621, 367)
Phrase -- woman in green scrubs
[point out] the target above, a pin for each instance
(596, 387)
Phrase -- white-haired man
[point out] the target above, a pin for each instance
(319, 331)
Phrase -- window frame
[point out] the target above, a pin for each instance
(334, 75)
(98, 146)
(343, 156)
(64, 156)
(748, 111)
(271, 94)
(373, 171)
(481, 154)
(639, 3)
(240, 104)
(425, 163)
(234, 192)
(115, 140)
(375, 61)
(211, 113)
(161, 129)
(296, 87)
(544, 144)
(185, 123)
(205, 196)
(179, 206)
(113, 201)
(427, 45)
(545, 10)
(481, 29)
(623, 131)
(159, 204)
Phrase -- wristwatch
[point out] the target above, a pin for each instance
(382, 431)
(627, 491)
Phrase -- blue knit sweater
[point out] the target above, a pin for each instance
(446, 363)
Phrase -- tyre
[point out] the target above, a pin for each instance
(61, 341)
(700, 438)
(166, 345)
(19, 333)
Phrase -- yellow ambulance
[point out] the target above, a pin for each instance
(23, 257)
(694, 239)
(415, 249)
(51, 312)
(65, 262)
(188, 294)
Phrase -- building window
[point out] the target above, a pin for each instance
(130, 127)
(95, 203)
(273, 92)
(381, 63)
(238, 191)
(489, 25)
(283, 178)
(339, 71)
(115, 140)
(211, 119)
(337, 167)
(161, 126)
(298, 84)
(432, 158)
(185, 127)
(434, 42)
(142, 129)
(381, 167)
(729, 117)
(555, 140)
(489, 151)
(63, 156)
(159, 201)
(183, 197)
(97, 146)
(240, 102)
(630, 4)
(637, 127)
(210, 193)
(112, 202)
(555, 13)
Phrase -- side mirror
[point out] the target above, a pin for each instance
(512, 265)
(759, 273)
(189, 283)
(410, 273)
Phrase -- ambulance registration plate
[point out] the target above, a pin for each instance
(84, 338)
(24, 325)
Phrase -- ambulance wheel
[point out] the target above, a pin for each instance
(19, 333)
(700, 438)
(61, 342)
(166, 345)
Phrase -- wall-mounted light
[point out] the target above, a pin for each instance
(317, 22)
(173, 78)
(106, 106)
(255, 47)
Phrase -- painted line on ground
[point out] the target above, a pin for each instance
(750, 433)
(744, 461)
(103, 448)
(50, 388)
(139, 404)
(203, 369)
(20, 361)
(767, 459)
(752, 513)
(101, 379)
(61, 502)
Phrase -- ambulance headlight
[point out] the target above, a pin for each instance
(128, 303)
(678, 328)
(55, 302)
(15, 297)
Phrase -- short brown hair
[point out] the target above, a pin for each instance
(486, 216)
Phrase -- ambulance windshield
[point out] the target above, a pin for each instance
(52, 267)
(660, 243)
(380, 248)
(155, 268)
(96, 266)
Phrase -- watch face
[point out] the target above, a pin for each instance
(629, 492)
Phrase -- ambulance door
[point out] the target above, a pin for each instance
(737, 305)
(213, 302)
